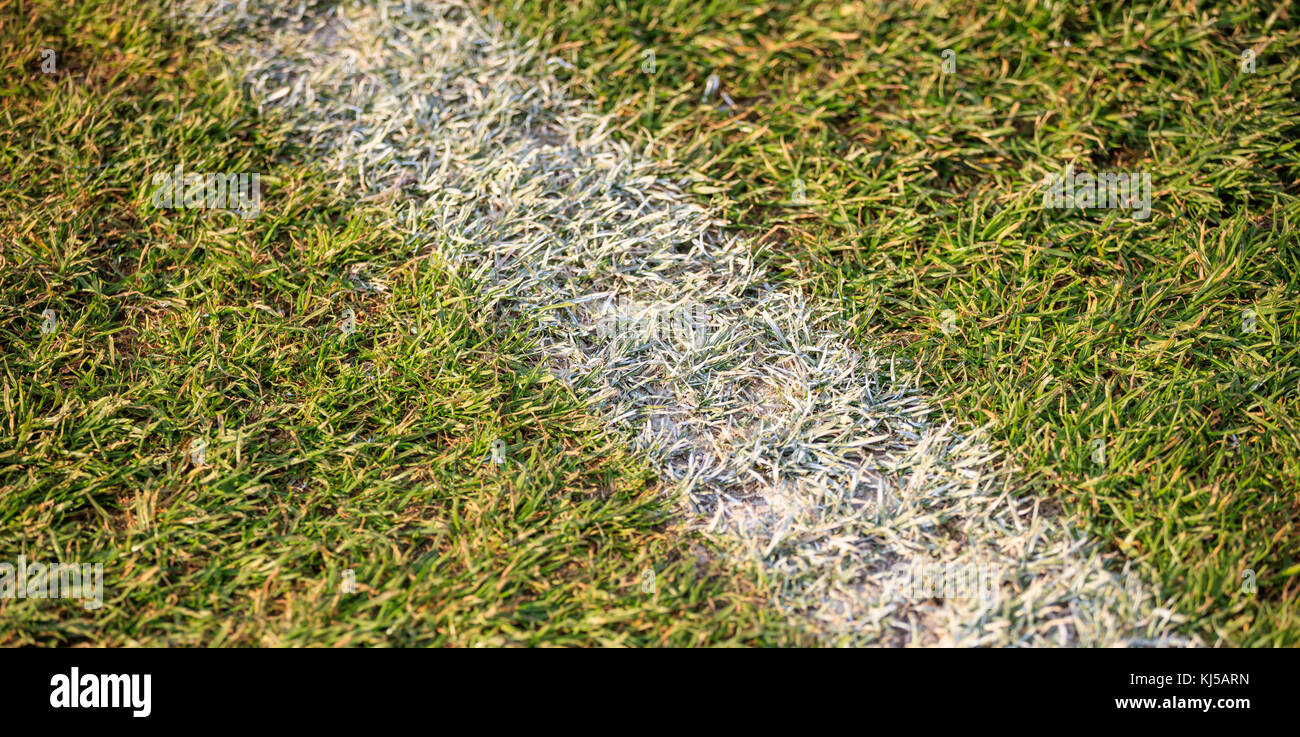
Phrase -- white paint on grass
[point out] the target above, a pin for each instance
(784, 439)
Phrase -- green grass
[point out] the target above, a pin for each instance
(1067, 327)
(329, 452)
(326, 451)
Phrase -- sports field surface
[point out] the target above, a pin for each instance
(651, 324)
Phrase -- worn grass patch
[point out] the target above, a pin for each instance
(1171, 342)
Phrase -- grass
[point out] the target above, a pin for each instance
(800, 452)
(1171, 341)
(326, 450)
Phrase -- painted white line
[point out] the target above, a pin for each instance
(877, 523)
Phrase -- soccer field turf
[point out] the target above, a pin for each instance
(651, 324)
